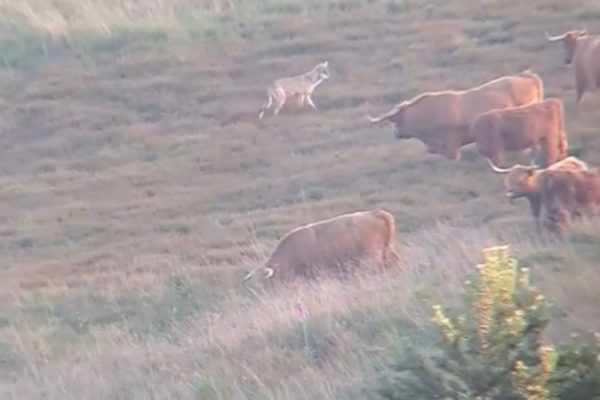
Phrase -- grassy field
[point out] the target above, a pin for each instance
(138, 187)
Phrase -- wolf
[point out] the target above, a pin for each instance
(299, 85)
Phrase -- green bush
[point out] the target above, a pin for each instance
(494, 349)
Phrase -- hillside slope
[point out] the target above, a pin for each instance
(138, 186)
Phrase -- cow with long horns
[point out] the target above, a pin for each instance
(583, 51)
(442, 120)
(524, 181)
(329, 244)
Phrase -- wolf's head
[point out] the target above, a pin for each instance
(322, 71)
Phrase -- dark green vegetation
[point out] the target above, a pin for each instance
(495, 349)
(138, 187)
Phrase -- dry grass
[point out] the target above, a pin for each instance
(138, 187)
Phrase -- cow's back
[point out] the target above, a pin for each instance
(556, 189)
(535, 120)
(520, 89)
(434, 116)
(587, 57)
(295, 253)
(504, 92)
(328, 242)
(352, 235)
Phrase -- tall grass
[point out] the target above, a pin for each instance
(249, 347)
(33, 30)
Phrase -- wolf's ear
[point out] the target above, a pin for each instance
(325, 63)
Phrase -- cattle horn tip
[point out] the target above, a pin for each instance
(554, 38)
(496, 168)
(248, 275)
(269, 272)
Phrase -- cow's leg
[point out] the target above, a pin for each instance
(392, 259)
(580, 84)
(533, 155)
(451, 146)
(561, 219)
(530, 153)
(546, 150)
(535, 203)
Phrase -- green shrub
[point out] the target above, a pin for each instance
(494, 349)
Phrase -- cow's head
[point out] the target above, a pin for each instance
(520, 179)
(396, 115)
(569, 40)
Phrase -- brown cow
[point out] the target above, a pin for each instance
(328, 243)
(521, 128)
(583, 51)
(524, 181)
(442, 120)
(568, 194)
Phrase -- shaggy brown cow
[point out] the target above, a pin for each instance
(521, 128)
(583, 51)
(524, 181)
(328, 243)
(442, 120)
(567, 194)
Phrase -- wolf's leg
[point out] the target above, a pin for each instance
(280, 98)
(266, 106)
(301, 99)
(310, 102)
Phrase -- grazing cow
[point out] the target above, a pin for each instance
(442, 120)
(328, 243)
(521, 128)
(524, 181)
(568, 194)
(583, 51)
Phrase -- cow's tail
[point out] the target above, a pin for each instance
(538, 80)
(393, 259)
(539, 84)
(390, 232)
(563, 143)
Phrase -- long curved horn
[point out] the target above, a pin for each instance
(249, 275)
(555, 38)
(388, 114)
(496, 169)
(269, 272)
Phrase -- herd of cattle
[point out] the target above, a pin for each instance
(509, 113)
